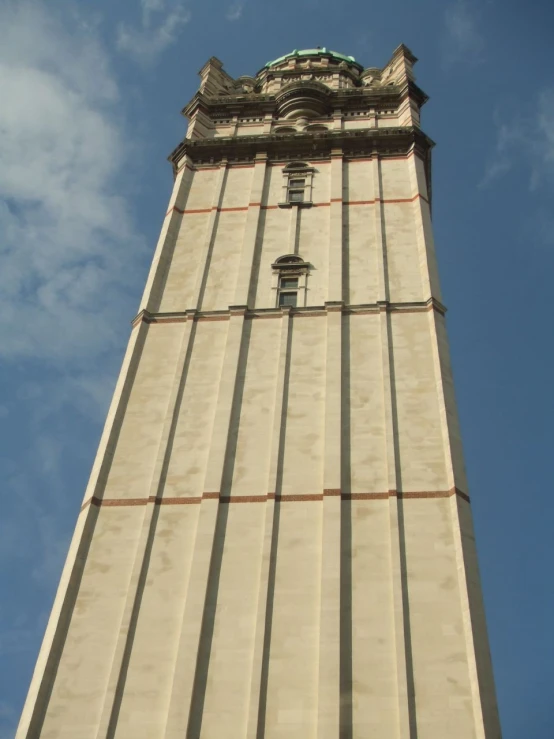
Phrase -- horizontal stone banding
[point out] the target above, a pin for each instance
(241, 149)
(191, 211)
(319, 159)
(294, 498)
(350, 310)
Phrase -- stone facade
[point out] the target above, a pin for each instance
(276, 539)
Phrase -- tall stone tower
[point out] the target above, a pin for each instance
(276, 540)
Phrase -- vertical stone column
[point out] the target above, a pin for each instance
(211, 229)
(293, 225)
(122, 652)
(168, 236)
(330, 611)
(406, 700)
(50, 653)
(329, 698)
(423, 231)
(377, 197)
(190, 643)
(262, 638)
(404, 674)
(334, 289)
(372, 118)
(242, 290)
(278, 423)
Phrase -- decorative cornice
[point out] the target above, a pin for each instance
(252, 103)
(361, 309)
(305, 145)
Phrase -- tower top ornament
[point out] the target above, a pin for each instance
(324, 52)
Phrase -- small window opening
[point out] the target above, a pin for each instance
(289, 283)
(297, 184)
(288, 299)
(291, 273)
(288, 291)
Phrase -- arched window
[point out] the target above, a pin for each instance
(289, 261)
(295, 166)
(285, 129)
(297, 185)
(315, 127)
(290, 276)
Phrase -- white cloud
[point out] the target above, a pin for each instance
(462, 41)
(235, 10)
(160, 27)
(70, 257)
(151, 6)
(66, 231)
(525, 147)
(526, 141)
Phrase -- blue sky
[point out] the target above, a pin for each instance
(91, 94)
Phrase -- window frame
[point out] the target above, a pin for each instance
(295, 194)
(285, 269)
(282, 294)
(288, 278)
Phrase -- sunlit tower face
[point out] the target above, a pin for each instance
(276, 539)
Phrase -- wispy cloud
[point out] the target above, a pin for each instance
(234, 11)
(462, 41)
(65, 227)
(159, 28)
(70, 253)
(526, 141)
(67, 269)
(525, 150)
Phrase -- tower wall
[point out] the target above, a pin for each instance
(276, 538)
(384, 211)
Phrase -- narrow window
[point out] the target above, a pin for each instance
(296, 189)
(289, 283)
(296, 196)
(288, 291)
(289, 299)
(290, 273)
(297, 185)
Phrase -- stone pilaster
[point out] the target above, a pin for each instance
(190, 645)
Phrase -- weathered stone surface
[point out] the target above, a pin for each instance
(276, 539)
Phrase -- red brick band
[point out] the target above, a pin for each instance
(189, 211)
(227, 499)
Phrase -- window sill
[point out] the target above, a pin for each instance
(299, 204)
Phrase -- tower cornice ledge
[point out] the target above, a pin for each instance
(339, 306)
(254, 103)
(385, 141)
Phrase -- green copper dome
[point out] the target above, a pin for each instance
(316, 52)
